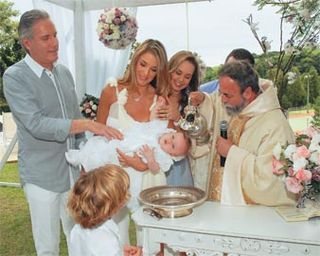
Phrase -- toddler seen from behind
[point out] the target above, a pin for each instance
(95, 198)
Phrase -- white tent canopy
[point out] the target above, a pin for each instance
(88, 5)
(89, 61)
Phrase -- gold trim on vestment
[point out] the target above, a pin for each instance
(236, 127)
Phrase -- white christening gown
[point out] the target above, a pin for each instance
(98, 150)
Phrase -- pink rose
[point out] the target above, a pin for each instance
(277, 167)
(303, 175)
(293, 185)
(290, 172)
(303, 151)
(117, 12)
(116, 21)
(316, 174)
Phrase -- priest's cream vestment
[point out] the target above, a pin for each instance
(247, 175)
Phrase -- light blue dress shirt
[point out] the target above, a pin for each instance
(210, 87)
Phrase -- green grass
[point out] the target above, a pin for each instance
(15, 226)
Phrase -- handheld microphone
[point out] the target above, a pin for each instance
(223, 134)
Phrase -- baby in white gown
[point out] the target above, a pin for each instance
(166, 146)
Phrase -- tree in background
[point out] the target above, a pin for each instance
(303, 16)
(301, 85)
(10, 48)
(211, 73)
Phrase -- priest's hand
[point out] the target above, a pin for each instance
(196, 98)
(223, 146)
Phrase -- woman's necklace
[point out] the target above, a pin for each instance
(140, 95)
(137, 99)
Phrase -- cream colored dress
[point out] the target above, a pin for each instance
(120, 119)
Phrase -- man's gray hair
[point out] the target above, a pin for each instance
(243, 73)
(27, 20)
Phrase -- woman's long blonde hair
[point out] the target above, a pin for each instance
(97, 195)
(160, 82)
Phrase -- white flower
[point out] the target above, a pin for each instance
(109, 18)
(314, 148)
(316, 139)
(123, 18)
(116, 34)
(266, 43)
(277, 151)
(299, 163)
(291, 77)
(315, 157)
(289, 48)
(289, 151)
(305, 14)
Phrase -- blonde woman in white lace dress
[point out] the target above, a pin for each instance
(131, 99)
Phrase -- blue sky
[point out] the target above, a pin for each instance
(215, 27)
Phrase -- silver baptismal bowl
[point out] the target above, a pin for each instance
(171, 201)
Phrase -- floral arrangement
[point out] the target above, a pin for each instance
(299, 164)
(89, 106)
(117, 28)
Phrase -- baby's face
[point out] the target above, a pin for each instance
(174, 143)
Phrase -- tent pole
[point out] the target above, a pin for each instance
(79, 49)
(187, 22)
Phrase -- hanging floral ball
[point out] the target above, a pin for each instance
(117, 28)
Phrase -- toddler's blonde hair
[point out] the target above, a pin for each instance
(98, 195)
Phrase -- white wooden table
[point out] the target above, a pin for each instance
(214, 229)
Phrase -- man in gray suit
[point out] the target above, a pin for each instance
(42, 98)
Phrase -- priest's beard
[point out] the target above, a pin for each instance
(236, 110)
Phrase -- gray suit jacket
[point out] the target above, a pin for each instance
(42, 128)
